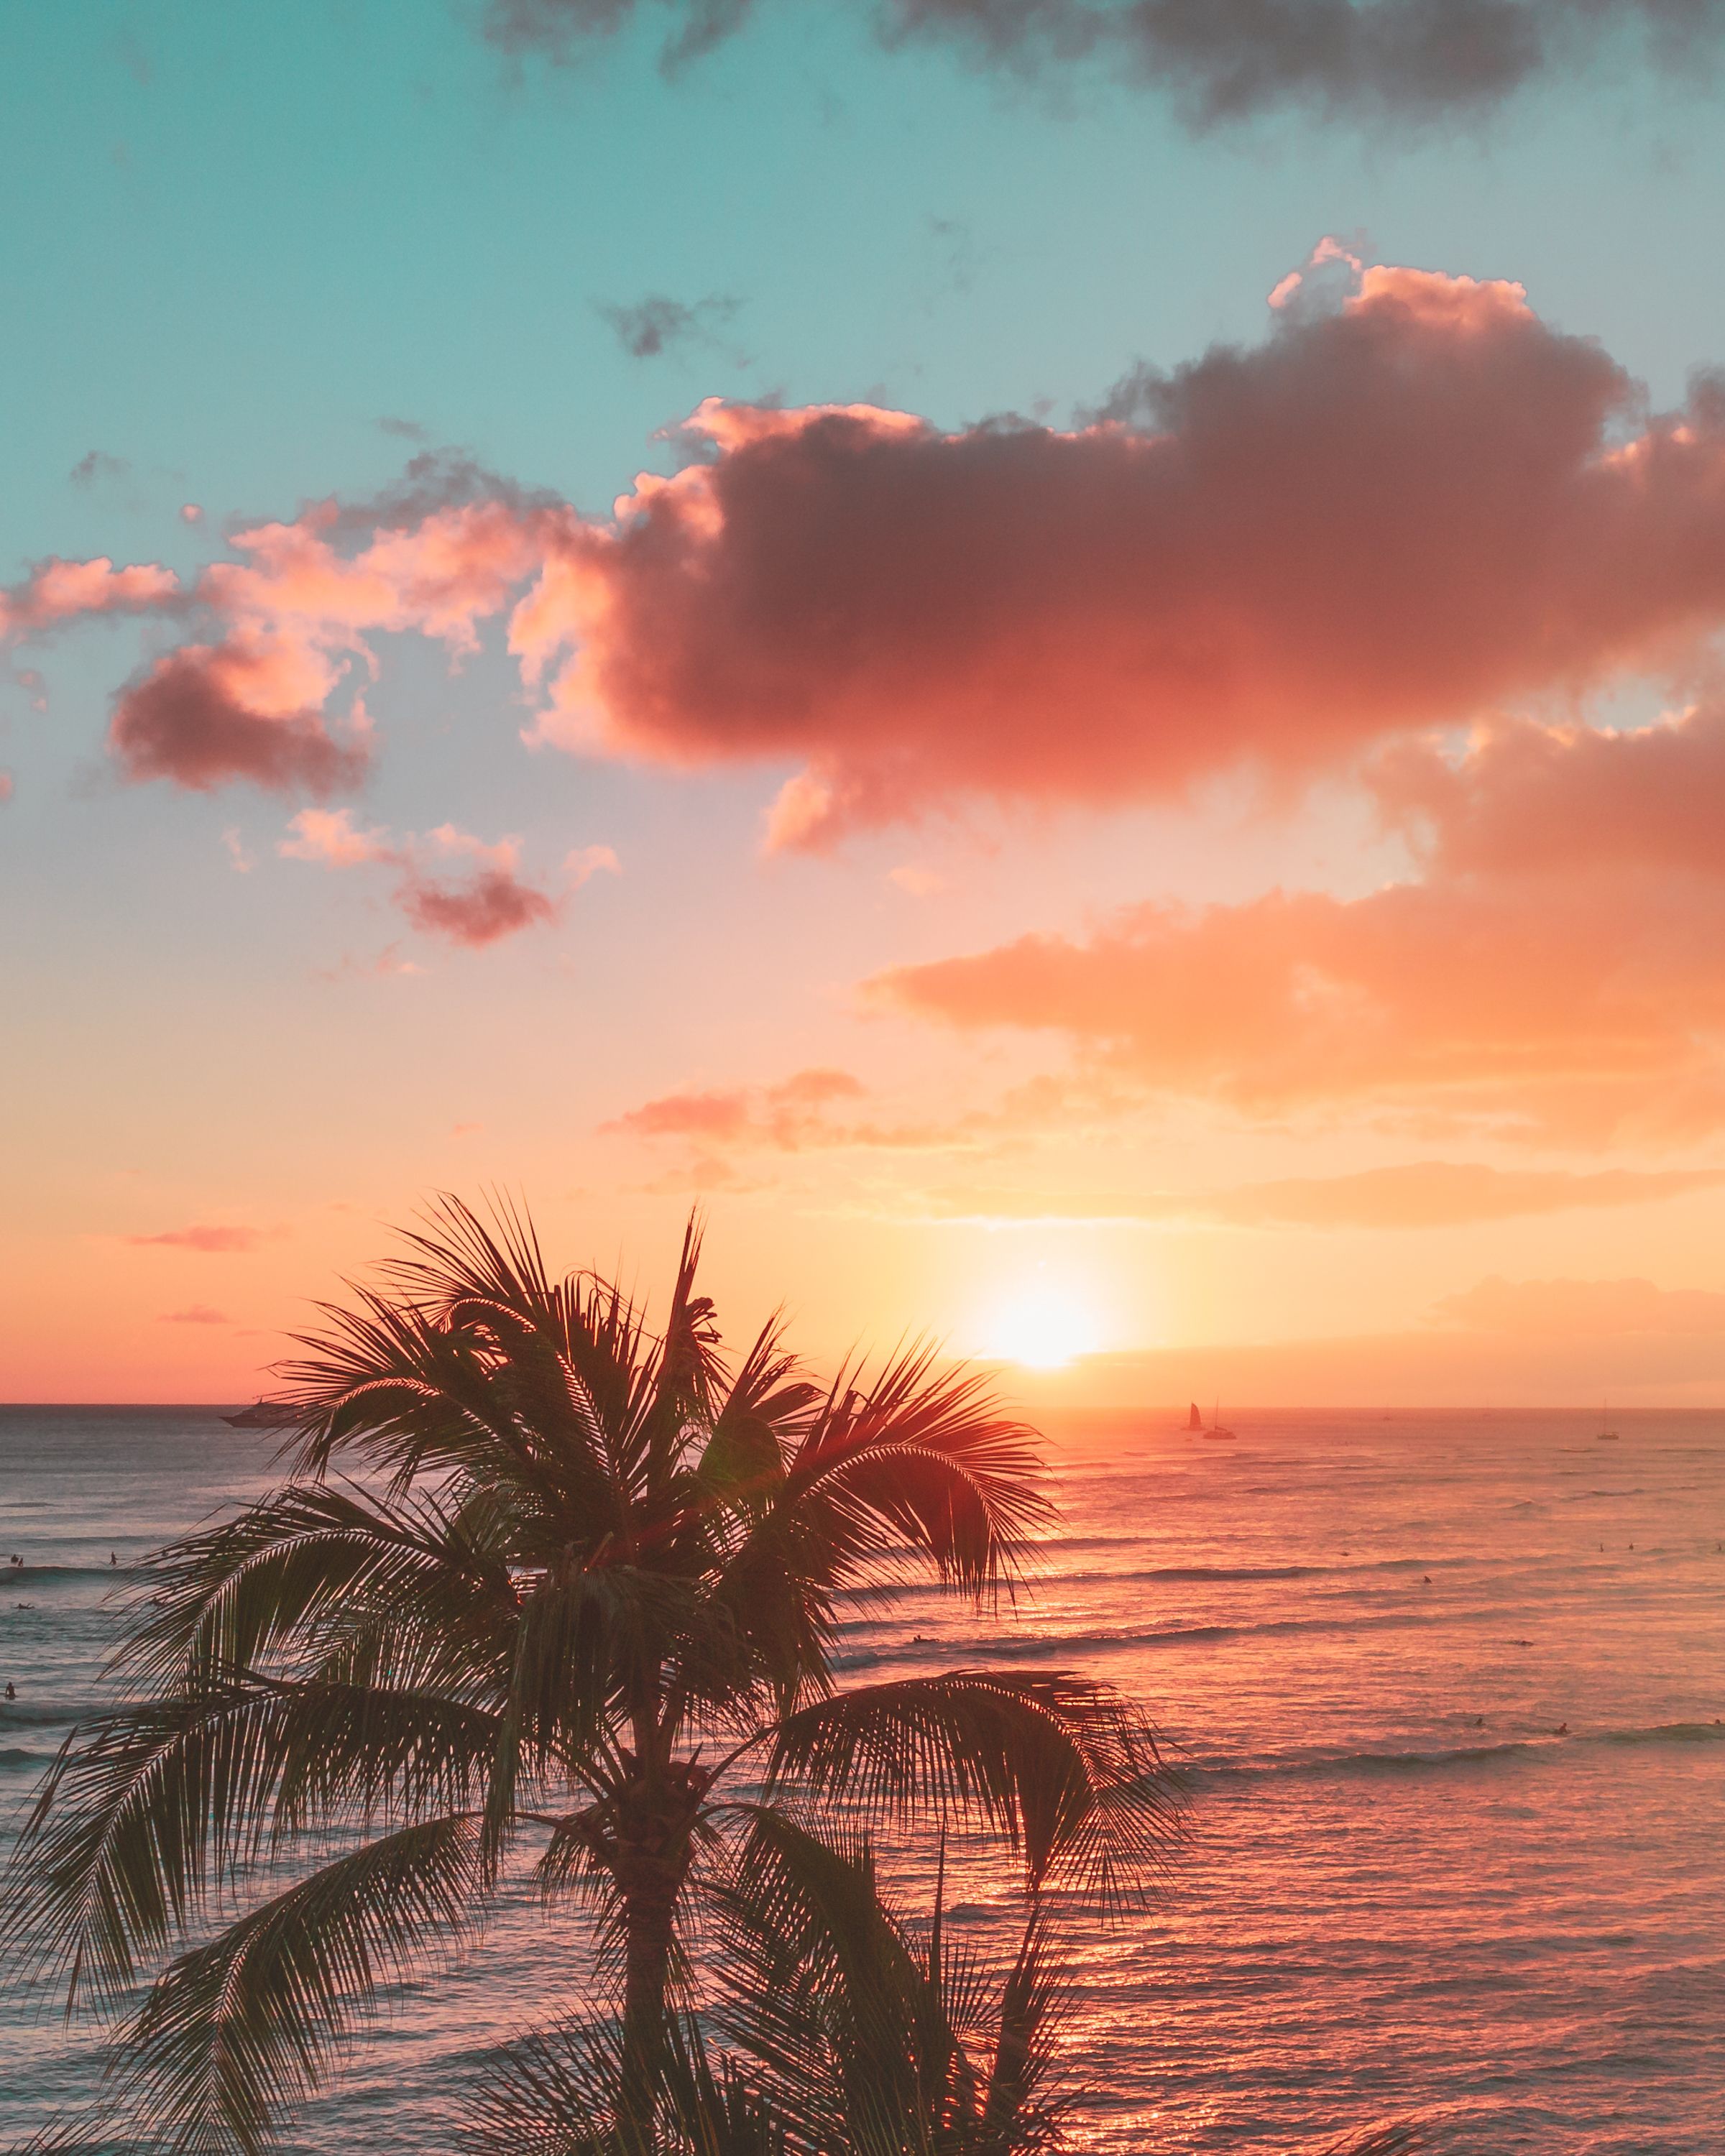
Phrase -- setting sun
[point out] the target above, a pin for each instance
(1042, 1327)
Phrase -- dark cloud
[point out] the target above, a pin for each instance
(97, 464)
(556, 29)
(476, 910)
(1220, 60)
(409, 430)
(655, 324)
(205, 716)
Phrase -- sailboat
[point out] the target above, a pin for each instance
(1216, 1426)
(264, 1414)
(1604, 1434)
(1194, 1421)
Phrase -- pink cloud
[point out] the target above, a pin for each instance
(488, 902)
(212, 1241)
(1412, 503)
(1526, 799)
(814, 1109)
(1393, 514)
(196, 1313)
(206, 715)
(5, 786)
(475, 909)
(59, 591)
(1580, 1007)
(328, 837)
(585, 862)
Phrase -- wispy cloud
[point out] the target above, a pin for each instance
(211, 1238)
(656, 324)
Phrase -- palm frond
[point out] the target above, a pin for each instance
(236, 2028)
(1378, 2141)
(1067, 1769)
(921, 1461)
(305, 1563)
(146, 1811)
(557, 2092)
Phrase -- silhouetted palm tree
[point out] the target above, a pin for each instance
(584, 1584)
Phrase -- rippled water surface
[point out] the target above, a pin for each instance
(1448, 1689)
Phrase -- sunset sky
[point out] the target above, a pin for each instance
(1065, 659)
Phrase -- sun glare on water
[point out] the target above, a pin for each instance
(1042, 1327)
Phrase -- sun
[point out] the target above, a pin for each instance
(1044, 1327)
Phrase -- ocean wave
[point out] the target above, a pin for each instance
(1668, 1732)
(20, 1755)
(38, 1714)
(33, 1574)
(1038, 1646)
(1539, 1744)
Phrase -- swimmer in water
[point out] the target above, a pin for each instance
(112, 1559)
(1562, 1729)
(11, 1691)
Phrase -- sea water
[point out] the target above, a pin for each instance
(1447, 1690)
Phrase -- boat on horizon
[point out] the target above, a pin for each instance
(262, 1415)
(1217, 1428)
(1604, 1436)
(1194, 1421)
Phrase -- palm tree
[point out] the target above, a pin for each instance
(576, 1581)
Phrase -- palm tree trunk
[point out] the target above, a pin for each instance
(649, 1901)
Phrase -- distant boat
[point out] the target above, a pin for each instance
(1194, 1421)
(1603, 1436)
(262, 1415)
(1217, 1429)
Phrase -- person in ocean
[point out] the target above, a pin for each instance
(112, 1559)
(11, 1691)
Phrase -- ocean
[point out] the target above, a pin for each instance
(1448, 1689)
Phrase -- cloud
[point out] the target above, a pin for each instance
(407, 431)
(489, 902)
(6, 786)
(1425, 1193)
(1585, 1310)
(1412, 505)
(475, 909)
(1576, 1008)
(585, 862)
(97, 464)
(656, 324)
(1397, 514)
(1524, 799)
(196, 1313)
(212, 1241)
(789, 1116)
(206, 715)
(1219, 60)
(57, 591)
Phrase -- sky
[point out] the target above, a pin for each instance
(1059, 656)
